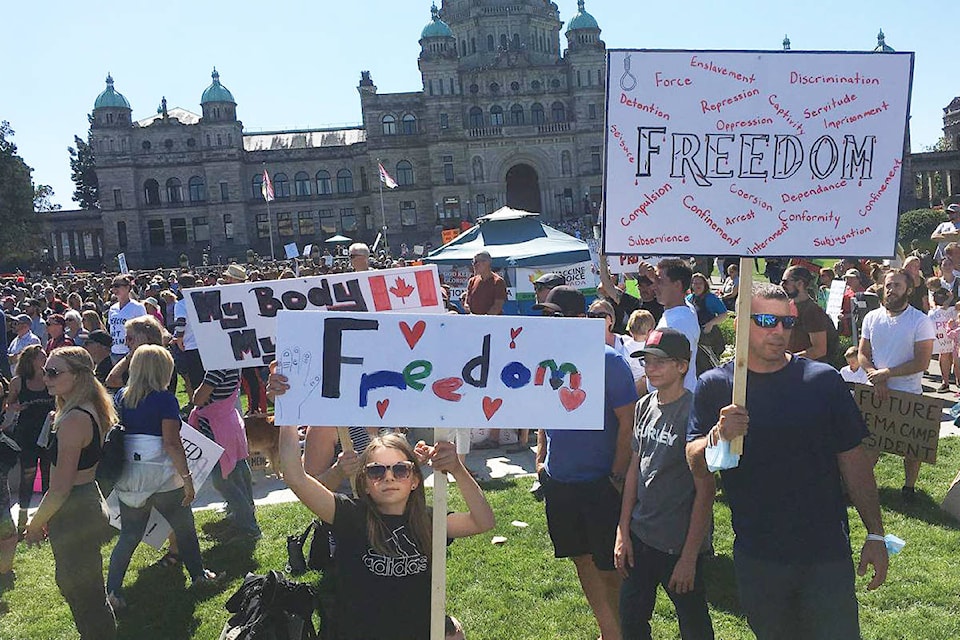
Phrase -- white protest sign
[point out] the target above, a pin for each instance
(122, 260)
(393, 370)
(579, 276)
(835, 301)
(235, 324)
(202, 455)
(307, 250)
(291, 250)
(754, 153)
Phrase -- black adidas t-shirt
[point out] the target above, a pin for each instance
(379, 597)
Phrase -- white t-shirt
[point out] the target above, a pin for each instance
(859, 375)
(941, 319)
(116, 318)
(189, 339)
(632, 346)
(892, 339)
(943, 227)
(684, 319)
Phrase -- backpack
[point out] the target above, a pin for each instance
(270, 607)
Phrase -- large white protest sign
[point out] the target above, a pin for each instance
(396, 370)
(235, 324)
(202, 455)
(754, 153)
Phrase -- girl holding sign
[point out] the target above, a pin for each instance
(384, 535)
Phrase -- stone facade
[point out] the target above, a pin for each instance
(938, 172)
(510, 112)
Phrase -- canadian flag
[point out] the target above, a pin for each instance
(394, 292)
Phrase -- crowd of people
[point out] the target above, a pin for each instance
(631, 504)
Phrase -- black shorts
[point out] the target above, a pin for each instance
(582, 518)
(193, 367)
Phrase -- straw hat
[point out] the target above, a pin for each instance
(236, 272)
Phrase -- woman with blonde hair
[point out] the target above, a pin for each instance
(72, 513)
(155, 474)
(92, 321)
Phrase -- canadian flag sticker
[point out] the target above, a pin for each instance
(396, 293)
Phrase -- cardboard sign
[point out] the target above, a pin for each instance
(392, 370)
(580, 276)
(905, 424)
(754, 153)
(235, 324)
(449, 235)
(202, 455)
(951, 501)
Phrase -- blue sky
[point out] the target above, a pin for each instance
(297, 64)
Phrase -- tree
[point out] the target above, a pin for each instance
(21, 236)
(83, 171)
(939, 145)
(42, 194)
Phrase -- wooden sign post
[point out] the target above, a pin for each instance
(742, 343)
(438, 567)
(346, 444)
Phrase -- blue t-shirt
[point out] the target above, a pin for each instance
(785, 496)
(148, 416)
(582, 456)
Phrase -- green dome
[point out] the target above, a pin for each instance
(437, 27)
(582, 20)
(216, 92)
(110, 98)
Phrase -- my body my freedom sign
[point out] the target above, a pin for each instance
(235, 324)
(400, 370)
(754, 153)
(906, 424)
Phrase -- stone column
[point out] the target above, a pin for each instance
(930, 190)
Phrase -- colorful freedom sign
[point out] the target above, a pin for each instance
(399, 370)
(754, 153)
(235, 324)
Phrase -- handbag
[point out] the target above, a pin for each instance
(112, 455)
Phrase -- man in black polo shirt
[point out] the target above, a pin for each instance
(98, 345)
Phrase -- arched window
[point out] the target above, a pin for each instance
(516, 41)
(477, 169)
(490, 43)
(503, 40)
(476, 117)
(174, 190)
(516, 114)
(197, 191)
(257, 186)
(389, 125)
(496, 115)
(151, 192)
(408, 125)
(324, 186)
(536, 113)
(301, 183)
(122, 233)
(463, 48)
(344, 181)
(559, 112)
(404, 173)
(565, 163)
(228, 226)
(281, 185)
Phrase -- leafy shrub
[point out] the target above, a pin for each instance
(918, 225)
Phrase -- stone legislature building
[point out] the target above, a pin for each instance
(510, 113)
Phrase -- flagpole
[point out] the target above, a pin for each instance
(383, 211)
(269, 220)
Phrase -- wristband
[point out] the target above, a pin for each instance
(876, 537)
(189, 475)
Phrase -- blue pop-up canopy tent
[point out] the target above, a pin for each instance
(514, 238)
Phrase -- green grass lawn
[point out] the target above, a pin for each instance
(517, 590)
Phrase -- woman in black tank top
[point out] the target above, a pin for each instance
(29, 396)
(72, 513)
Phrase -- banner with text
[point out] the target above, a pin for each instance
(235, 324)
(579, 276)
(392, 370)
(754, 153)
(905, 424)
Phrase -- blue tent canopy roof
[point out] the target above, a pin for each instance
(514, 239)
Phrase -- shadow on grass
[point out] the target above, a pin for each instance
(923, 508)
(496, 484)
(722, 584)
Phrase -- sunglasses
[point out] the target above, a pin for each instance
(550, 313)
(51, 372)
(597, 314)
(769, 320)
(400, 470)
(357, 255)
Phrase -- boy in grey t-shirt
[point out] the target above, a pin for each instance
(667, 512)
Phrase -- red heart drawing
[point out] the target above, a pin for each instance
(491, 405)
(572, 398)
(382, 406)
(412, 336)
(515, 332)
